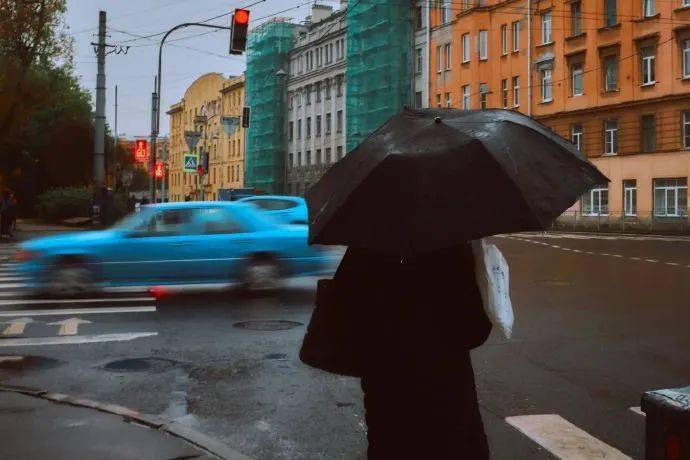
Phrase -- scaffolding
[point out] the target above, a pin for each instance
(379, 52)
(267, 53)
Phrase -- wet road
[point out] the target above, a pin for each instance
(598, 321)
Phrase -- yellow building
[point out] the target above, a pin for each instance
(215, 97)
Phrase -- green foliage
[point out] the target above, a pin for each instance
(140, 180)
(58, 204)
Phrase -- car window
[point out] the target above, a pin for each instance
(274, 205)
(214, 221)
(166, 222)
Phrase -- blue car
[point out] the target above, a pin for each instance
(283, 209)
(174, 243)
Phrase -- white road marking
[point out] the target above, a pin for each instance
(12, 285)
(64, 301)
(651, 260)
(673, 264)
(617, 255)
(563, 439)
(69, 326)
(77, 311)
(576, 250)
(13, 279)
(17, 326)
(10, 359)
(635, 258)
(75, 339)
(11, 294)
(638, 411)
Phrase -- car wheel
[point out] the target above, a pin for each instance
(70, 279)
(261, 274)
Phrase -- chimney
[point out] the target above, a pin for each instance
(320, 12)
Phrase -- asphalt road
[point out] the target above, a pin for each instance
(594, 330)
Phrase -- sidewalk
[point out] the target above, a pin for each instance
(39, 425)
(31, 228)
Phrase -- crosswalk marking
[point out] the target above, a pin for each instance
(563, 439)
(78, 311)
(11, 278)
(75, 339)
(638, 411)
(4, 303)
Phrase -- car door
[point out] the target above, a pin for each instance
(225, 240)
(158, 251)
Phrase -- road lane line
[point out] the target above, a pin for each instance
(576, 250)
(75, 339)
(673, 264)
(651, 260)
(12, 285)
(617, 255)
(638, 411)
(563, 439)
(78, 311)
(635, 258)
(11, 278)
(64, 301)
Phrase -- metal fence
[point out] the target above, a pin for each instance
(618, 222)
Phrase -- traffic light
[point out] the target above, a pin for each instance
(238, 34)
(245, 117)
(141, 150)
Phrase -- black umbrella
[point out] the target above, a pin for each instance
(430, 179)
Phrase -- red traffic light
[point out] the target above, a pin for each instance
(141, 150)
(241, 16)
(159, 170)
(200, 170)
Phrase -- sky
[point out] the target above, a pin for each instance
(183, 60)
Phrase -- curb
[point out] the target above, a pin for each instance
(193, 437)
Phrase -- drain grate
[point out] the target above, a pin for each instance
(140, 365)
(270, 325)
(25, 363)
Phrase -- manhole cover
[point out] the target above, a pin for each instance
(273, 325)
(276, 356)
(139, 365)
(24, 363)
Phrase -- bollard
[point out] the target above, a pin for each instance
(667, 428)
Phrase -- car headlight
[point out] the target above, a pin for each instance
(25, 255)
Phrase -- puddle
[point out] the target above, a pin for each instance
(269, 325)
(140, 365)
(276, 356)
(25, 363)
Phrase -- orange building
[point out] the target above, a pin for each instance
(613, 76)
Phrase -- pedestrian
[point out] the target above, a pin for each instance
(13, 213)
(6, 213)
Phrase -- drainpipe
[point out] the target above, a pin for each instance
(425, 75)
(529, 58)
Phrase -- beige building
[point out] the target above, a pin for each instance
(217, 98)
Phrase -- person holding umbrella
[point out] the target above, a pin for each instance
(403, 309)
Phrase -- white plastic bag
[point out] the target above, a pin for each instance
(492, 274)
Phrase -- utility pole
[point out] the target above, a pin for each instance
(154, 135)
(99, 122)
(164, 159)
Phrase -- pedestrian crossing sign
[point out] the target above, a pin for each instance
(191, 162)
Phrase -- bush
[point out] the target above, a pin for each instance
(58, 204)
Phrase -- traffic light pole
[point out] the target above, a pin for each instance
(156, 130)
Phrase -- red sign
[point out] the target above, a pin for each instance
(141, 150)
(241, 16)
(159, 170)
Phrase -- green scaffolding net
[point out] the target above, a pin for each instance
(267, 50)
(379, 42)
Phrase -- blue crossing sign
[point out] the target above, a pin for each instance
(190, 162)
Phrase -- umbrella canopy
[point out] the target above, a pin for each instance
(430, 179)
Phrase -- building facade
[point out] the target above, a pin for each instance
(613, 76)
(316, 99)
(420, 64)
(220, 100)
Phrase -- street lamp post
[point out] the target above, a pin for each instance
(202, 121)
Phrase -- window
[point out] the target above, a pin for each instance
(448, 58)
(308, 127)
(339, 121)
(291, 101)
(448, 100)
(648, 123)
(318, 125)
(648, 64)
(504, 93)
(307, 94)
(630, 198)
(329, 155)
(438, 101)
(299, 158)
(328, 123)
(686, 56)
(516, 36)
(611, 73)
(445, 11)
(686, 129)
(291, 163)
(610, 13)
(576, 136)
(318, 156)
(218, 221)
(546, 85)
(318, 91)
(575, 18)
(328, 88)
(504, 39)
(516, 91)
(299, 98)
(299, 129)
(610, 137)
(596, 202)
(418, 18)
(483, 95)
(671, 197)
(339, 85)
(546, 27)
(419, 67)
(308, 157)
(647, 8)
(291, 127)
(466, 48)
(483, 44)
(439, 60)
(466, 101)
(339, 151)
(418, 99)
(577, 77)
